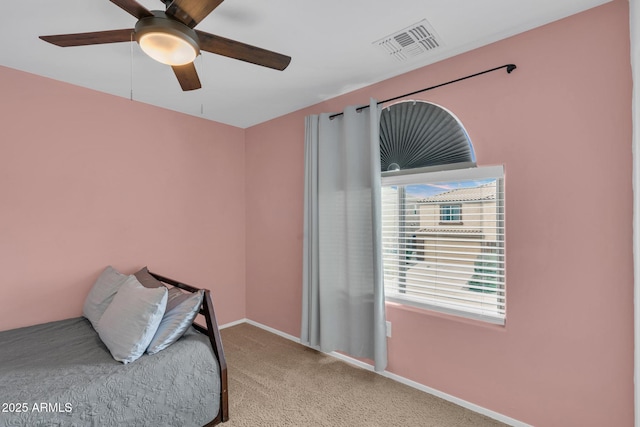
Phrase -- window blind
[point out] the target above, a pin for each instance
(416, 134)
(453, 263)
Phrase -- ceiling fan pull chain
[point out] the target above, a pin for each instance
(202, 71)
(131, 69)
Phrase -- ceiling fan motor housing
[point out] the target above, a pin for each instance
(160, 33)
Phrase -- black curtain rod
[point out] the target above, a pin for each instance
(509, 67)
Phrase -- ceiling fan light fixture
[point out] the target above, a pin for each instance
(166, 40)
(167, 48)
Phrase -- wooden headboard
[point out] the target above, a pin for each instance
(212, 331)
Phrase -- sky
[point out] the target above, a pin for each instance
(427, 190)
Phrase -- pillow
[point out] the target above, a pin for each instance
(101, 294)
(146, 279)
(182, 308)
(131, 320)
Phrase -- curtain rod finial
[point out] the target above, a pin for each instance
(510, 68)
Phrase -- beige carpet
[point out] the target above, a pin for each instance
(276, 382)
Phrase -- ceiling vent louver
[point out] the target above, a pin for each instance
(412, 41)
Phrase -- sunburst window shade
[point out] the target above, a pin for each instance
(416, 134)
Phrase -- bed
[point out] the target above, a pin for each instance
(62, 374)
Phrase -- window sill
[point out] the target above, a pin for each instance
(447, 312)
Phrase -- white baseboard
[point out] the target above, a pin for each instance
(273, 331)
(230, 324)
(468, 405)
(465, 404)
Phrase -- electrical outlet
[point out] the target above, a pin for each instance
(388, 329)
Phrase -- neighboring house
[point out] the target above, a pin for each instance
(463, 219)
(452, 249)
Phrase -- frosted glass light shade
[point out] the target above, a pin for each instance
(167, 48)
(167, 40)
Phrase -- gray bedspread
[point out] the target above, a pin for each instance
(61, 374)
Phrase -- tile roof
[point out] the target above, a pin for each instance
(470, 194)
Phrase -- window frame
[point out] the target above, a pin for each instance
(438, 175)
(456, 217)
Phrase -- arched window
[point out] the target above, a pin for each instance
(417, 134)
(442, 217)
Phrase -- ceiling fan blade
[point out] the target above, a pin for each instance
(191, 12)
(243, 52)
(133, 7)
(84, 39)
(187, 76)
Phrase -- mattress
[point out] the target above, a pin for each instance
(61, 374)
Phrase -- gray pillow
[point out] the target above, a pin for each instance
(146, 279)
(131, 320)
(101, 294)
(181, 309)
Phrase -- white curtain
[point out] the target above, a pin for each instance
(634, 26)
(343, 293)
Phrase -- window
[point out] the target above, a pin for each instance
(451, 213)
(444, 241)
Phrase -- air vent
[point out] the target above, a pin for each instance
(412, 41)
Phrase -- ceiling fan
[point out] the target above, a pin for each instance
(168, 37)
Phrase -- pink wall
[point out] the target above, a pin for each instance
(561, 125)
(88, 179)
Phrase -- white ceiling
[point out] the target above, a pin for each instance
(331, 43)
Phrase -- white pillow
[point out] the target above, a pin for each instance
(130, 321)
(182, 308)
(101, 294)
